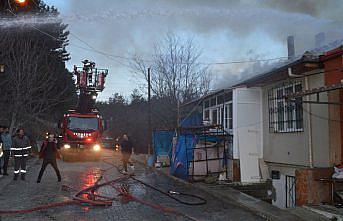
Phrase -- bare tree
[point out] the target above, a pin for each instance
(177, 73)
(31, 88)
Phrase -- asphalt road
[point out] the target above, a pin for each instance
(27, 194)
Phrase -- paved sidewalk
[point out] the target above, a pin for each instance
(28, 194)
(230, 195)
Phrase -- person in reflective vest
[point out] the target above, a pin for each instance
(20, 150)
(49, 153)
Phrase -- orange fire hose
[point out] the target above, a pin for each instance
(98, 200)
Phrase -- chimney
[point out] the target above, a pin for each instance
(319, 40)
(290, 47)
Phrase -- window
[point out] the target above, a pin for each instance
(284, 115)
(220, 99)
(213, 102)
(228, 96)
(214, 118)
(228, 116)
(207, 103)
(207, 115)
(83, 123)
(221, 122)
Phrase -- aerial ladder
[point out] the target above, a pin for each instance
(82, 128)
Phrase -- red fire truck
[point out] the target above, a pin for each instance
(83, 127)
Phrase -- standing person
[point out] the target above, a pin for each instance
(126, 150)
(20, 151)
(49, 153)
(6, 146)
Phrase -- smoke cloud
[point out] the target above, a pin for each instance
(225, 30)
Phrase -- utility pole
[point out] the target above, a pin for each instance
(178, 114)
(149, 114)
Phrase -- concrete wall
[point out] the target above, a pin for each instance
(279, 185)
(247, 132)
(289, 152)
(293, 148)
(320, 125)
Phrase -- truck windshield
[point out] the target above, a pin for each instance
(83, 123)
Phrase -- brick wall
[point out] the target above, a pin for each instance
(310, 191)
(236, 175)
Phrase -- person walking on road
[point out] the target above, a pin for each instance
(6, 146)
(20, 151)
(49, 153)
(126, 150)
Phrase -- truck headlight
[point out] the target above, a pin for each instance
(66, 146)
(96, 147)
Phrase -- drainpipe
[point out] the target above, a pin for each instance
(309, 118)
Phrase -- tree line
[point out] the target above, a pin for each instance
(177, 76)
(36, 87)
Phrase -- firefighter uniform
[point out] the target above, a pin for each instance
(20, 151)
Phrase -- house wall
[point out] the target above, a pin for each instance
(309, 189)
(288, 152)
(293, 147)
(334, 75)
(247, 133)
(320, 125)
(279, 191)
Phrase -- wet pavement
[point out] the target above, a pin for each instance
(27, 194)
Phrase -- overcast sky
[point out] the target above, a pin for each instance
(225, 30)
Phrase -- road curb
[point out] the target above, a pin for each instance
(256, 206)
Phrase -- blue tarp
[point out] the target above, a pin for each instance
(195, 119)
(163, 142)
(182, 154)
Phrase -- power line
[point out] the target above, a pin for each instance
(91, 48)
(322, 117)
(110, 56)
(77, 46)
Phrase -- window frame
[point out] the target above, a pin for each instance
(284, 116)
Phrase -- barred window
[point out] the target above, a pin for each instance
(284, 115)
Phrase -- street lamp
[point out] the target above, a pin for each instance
(15, 5)
(20, 1)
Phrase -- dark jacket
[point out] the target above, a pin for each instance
(21, 146)
(126, 146)
(49, 150)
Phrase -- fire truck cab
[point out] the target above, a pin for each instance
(82, 130)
